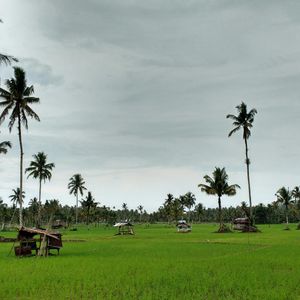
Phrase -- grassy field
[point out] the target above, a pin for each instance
(158, 263)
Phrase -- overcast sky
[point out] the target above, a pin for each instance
(134, 95)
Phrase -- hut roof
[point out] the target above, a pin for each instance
(123, 224)
(30, 232)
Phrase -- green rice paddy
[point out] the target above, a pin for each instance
(159, 263)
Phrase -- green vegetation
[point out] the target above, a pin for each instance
(158, 263)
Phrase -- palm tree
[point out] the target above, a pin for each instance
(39, 168)
(140, 209)
(88, 204)
(199, 209)
(4, 146)
(285, 197)
(218, 185)
(34, 208)
(244, 120)
(125, 208)
(17, 99)
(189, 202)
(15, 199)
(76, 185)
(296, 193)
(168, 206)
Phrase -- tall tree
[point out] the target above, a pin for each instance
(189, 202)
(199, 209)
(76, 185)
(168, 206)
(17, 99)
(41, 170)
(16, 199)
(218, 185)
(4, 146)
(125, 209)
(88, 204)
(140, 209)
(285, 197)
(244, 120)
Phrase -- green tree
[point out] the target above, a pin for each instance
(199, 210)
(140, 209)
(76, 185)
(34, 210)
(168, 206)
(51, 208)
(218, 185)
(284, 196)
(17, 99)
(189, 202)
(16, 199)
(41, 170)
(88, 204)
(244, 120)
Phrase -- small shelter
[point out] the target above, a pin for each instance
(241, 224)
(183, 226)
(42, 245)
(124, 228)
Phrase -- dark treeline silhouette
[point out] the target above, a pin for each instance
(52, 212)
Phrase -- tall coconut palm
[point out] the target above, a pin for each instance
(16, 199)
(125, 209)
(4, 146)
(88, 204)
(189, 202)
(285, 197)
(168, 206)
(17, 100)
(244, 120)
(41, 170)
(140, 209)
(76, 185)
(218, 185)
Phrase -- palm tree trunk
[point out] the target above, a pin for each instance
(76, 212)
(21, 171)
(40, 203)
(220, 214)
(287, 217)
(248, 178)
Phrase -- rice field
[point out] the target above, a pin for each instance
(159, 263)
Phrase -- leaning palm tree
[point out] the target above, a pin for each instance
(41, 170)
(4, 146)
(243, 120)
(285, 197)
(17, 99)
(76, 185)
(218, 185)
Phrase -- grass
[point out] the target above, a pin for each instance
(158, 263)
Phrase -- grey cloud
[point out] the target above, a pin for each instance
(40, 73)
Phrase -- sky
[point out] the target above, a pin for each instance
(134, 96)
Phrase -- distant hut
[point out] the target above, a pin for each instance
(241, 224)
(42, 245)
(124, 228)
(183, 226)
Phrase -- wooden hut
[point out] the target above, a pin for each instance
(124, 228)
(183, 226)
(241, 224)
(42, 245)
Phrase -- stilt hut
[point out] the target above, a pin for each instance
(183, 226)
(42, 245)
(124, 228)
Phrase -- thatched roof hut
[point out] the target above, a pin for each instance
(47, 240)
(183, 226)
(124, 228)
